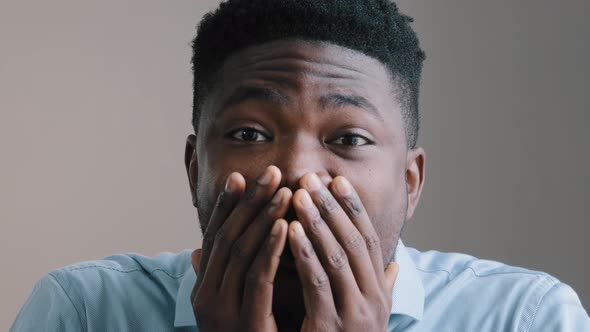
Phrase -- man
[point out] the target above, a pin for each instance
(304, 168)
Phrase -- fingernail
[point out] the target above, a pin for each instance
(230, 185)
(276, 200)
(298, 229)
(343, 186)
(265, 178)
(314, 183)
(305, 200)
(276, 229)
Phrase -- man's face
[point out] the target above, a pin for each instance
(308, 107)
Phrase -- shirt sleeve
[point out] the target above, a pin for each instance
(48, 308)
(560, 309)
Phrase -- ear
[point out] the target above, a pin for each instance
(415, 168)
(191, 164)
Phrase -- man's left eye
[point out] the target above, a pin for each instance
(351, 140)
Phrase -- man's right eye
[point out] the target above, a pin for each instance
(248, 135)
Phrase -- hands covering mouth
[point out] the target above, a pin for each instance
(335, 249)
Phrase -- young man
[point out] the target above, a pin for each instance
(304, 168)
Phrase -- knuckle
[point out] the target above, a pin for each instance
(248, 322)
(338, 259)
(316, 223)
(354, 241)
(321, 324)
(327, 204)
(266, 250)
(354, 206)
(238, 251)
(320, 281)
(221, 235)
(372, 242)
(362, 316)
(255, 281)
(307, 251)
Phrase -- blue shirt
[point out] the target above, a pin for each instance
(434, 291)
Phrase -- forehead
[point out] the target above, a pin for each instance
(298, 66)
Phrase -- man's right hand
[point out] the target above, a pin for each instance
(240, 256)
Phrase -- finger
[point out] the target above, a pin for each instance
(391, 275)
(256, 196)
(196, 259)
(349, 200)
(259, 285)
(245, 249)
(226, 201)
(345, 232)
(333, 257)
(317, 293)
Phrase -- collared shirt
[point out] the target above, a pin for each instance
(434, 291)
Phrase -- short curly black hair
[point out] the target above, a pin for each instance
(373, 27)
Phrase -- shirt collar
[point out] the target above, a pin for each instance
(407, 296)
(408, 291)
(184, 315)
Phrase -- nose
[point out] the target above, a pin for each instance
(297, 159)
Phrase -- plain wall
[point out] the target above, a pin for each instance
(95, 101)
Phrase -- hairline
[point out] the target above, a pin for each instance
(401, 89)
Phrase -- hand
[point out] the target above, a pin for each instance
(240, 256)
(344, 286)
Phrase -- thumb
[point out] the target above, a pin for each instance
(196, 259)
(390, 275)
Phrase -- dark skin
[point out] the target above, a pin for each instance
(303, 180)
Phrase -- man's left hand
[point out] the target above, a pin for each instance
(338, 258)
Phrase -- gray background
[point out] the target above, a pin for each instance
(95, 102)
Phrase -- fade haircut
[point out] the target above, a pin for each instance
(374, 27)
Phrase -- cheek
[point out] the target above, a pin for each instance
(210, 183)
(207, 187)
(212, 176)
(207, 191)
(386, 205)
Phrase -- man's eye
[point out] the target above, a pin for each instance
(248, 135)
(351, 140)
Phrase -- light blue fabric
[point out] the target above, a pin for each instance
(433, 292)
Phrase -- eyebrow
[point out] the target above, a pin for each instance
(342, 100)
(243, 93)
(269, 95)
